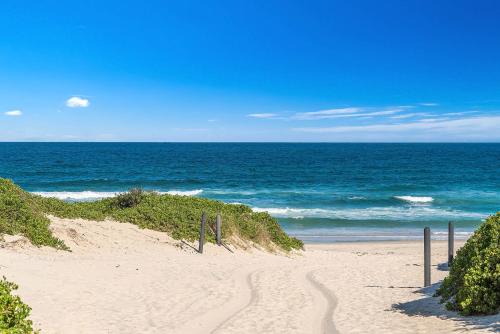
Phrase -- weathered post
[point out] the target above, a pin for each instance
(202, 232)
(451, 241)
(427, 256)
(218, 229)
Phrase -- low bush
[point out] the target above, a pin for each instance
(20, 213)
(129, 199)
(473, 285)
(13, 312)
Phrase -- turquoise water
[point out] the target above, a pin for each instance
(318, 192)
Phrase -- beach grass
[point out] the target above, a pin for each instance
(179, 216)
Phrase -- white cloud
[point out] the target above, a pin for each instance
(384, 112)
(418, 114)
(348, 112)
(429, 104)
(263, 115)
(481, 127)
(13, 113)
(431, 120)
(425, 114)
(329, 113)
(461, 113)
(77, 102)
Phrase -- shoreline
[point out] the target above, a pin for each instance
(117, 271)
(306, 241)
(378, 242)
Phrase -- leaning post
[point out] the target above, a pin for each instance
(427, 256)
(202, 232)
(218, 229)
(451, 241)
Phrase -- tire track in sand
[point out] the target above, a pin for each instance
(250, 296)
(324, 301)
(246, 294)
(327, 325)
(215, 318)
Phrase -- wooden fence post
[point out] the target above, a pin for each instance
(427, 256)
(202, 232)
(218, 229)
(451, 241)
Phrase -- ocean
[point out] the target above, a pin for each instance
(319, 192)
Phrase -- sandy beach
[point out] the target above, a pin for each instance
(122, 279)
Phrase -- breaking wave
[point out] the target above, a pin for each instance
(385, 213)
(95, 195)
(415, 199)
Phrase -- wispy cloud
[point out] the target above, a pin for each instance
(393, 123)
(416, 114)
(461, 113)
(384, 112)
(348, 112)
(465, 126)
(432, 120)
(429, 104)
(426, 114)
(77, 102)
(263, 115)
(328, 113)
(13, 113)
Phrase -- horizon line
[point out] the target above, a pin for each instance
(244, 142)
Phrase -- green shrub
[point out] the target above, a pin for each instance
(473, 285)
(20, 213)
(129, 199)
(13, 312)
(179, 216)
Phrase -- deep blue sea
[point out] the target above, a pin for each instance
(318, 192)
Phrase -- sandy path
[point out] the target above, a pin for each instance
(120, 279)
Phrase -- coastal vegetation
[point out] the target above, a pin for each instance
(179, 216)
(21, 213)
(13, 312)
(473, 285)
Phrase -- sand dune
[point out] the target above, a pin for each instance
(121, 279)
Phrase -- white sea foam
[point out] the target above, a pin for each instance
(76, 195)
(235, 192)
(456, 233)
(372, 234)
(385, 213)
(95, 195)
(444, 236)
(184, 192)
(263, 191)
(415, 199)
(295, 213)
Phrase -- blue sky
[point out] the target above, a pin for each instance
(250, 70)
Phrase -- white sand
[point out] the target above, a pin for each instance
(120, 279)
